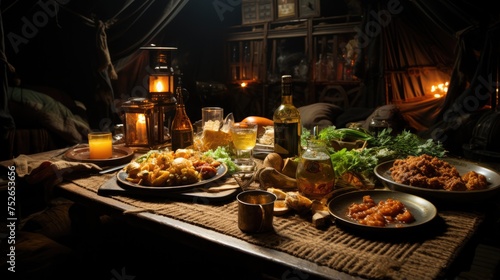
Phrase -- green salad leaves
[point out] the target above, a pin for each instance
(222, 154)
(381, 147)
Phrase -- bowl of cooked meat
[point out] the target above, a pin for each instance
(447, 179)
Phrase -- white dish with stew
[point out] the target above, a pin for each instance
(382, 171)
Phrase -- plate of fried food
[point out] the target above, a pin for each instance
(444, 179)
(169, 171)
(381, 210)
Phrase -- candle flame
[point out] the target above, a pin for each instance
(140, 128)
(141, 118)
(159, 86)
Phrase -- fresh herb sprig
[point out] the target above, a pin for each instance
(331, 133)
(407, 143)
(343, 134)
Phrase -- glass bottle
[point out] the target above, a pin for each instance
(287, 127)
(182, 128)
(315, 174)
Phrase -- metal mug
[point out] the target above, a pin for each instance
(255, 211)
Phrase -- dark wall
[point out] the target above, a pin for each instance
(54, 49)
(199, 34)
(57, 51)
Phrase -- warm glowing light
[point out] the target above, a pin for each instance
(243, 84)
(160, 83)
(141, 118)
(140, 128)
(439, 90)
(159, 86)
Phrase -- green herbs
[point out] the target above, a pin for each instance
(343, 134)
(331, 133)
(408, 144)
(382, 147)
(359, 161)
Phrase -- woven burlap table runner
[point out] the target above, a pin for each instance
(425, 255)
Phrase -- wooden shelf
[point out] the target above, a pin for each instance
(293, 46)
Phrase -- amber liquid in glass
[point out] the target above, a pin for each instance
(244, 140)
(315, 174)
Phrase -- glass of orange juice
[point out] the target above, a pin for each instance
(100, 145)
(244, 135)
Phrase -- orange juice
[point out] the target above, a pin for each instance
(100, 145)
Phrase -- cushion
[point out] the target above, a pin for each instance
(32, 109)
(320, 114)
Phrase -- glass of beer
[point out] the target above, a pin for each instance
(244, 135)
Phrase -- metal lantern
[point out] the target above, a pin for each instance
(139, 122)
(161, 89)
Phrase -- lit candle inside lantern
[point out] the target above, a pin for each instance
(140, 128)
(161, 83)
(100, 145)
(159, 86)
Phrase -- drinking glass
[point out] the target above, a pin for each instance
(100, 145)
(244, 137)
(212, 114)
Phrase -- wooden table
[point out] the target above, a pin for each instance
(283, 264)
(199, 237)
